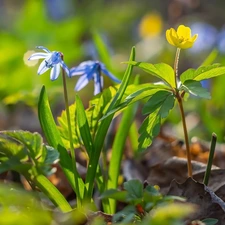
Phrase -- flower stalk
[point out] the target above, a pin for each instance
(76, 175)
(176, 63)
(180, 103)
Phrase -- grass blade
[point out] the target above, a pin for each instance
(117, 150)
(102, 131)
(52, 193)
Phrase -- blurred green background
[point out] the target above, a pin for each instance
(68, 26)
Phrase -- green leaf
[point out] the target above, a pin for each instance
(31, 141)
(156, 100)
(170, 213)
(47, 120)
(115, 194)
(52, 156)
(158, 106)
(53, 136)
(187, 75)
(118, 149)
(195, 88)
(134, 189)
(83, 126)
(203, 73)
(126, 215)
(210, 221)
(148, 130)
(21, 150)
(63, 128)
(102, 131)
(29, 210)
(140, 93)
(52, 193)
(103, 53)
(161, 70)
(66, 165)
(97, 107)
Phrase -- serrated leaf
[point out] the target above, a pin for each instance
(161, 70)
(115, 194)
(187, 75)
(52, 156)
(126, 215)
(210, 221)
(134, 189)
(195, 88)
(22, 148)
(151, 125)
(32, 142)
(140, 93)
(203, 73)
(14, 164)
(155, 101)
(148, 130)
(97, 107)
(63, 128)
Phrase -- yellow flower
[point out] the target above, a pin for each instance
(181, 38)
(150, 25)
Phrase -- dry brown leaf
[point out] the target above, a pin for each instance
(209, 204)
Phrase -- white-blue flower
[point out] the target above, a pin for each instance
(91, 70)
(52, 60)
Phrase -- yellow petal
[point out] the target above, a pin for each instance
(168, 36)
(193, 39)
(186, 44)
(183, 31)
(174, 38)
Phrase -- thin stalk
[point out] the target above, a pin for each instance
(177, 56)
(210, 159)
(76, 175)
(180, 103)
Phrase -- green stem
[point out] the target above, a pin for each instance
(180, 103)
(52, 193)
(177, 56)
(76, 175)
(210, 160)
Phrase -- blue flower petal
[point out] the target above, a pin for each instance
(43, 48)
(83, 68)
(81, 83)
(38, 55)
(55, 71)
(110, 75)
(42, 68)
(98, 84)
(64, 66)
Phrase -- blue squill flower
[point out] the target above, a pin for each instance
(91, 70)
(206, 37)
(52, 60)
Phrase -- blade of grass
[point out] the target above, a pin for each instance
(210, 159)
(102, 131)
(54, 139)
(102, 49)
(83, 126)
(52, 193)
(47, 121)
(133, 136)
(117, 150)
